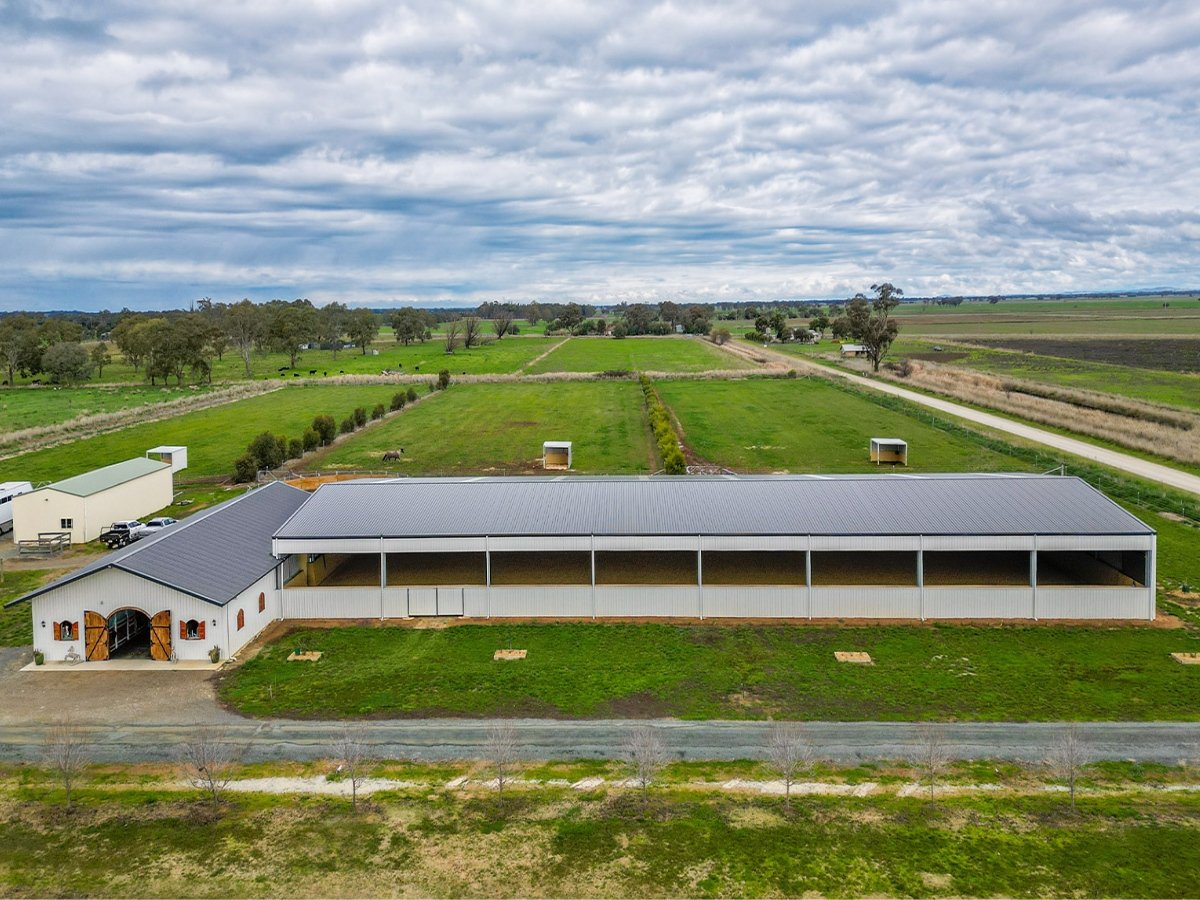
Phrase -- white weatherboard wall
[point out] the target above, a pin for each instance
(108, 590)
(43, 510)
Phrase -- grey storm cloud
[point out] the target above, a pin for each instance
(155, 152)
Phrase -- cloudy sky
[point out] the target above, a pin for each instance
(153, 153)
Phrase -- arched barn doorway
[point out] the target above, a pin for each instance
(127, 634)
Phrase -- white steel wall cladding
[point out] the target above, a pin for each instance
(1095, 542)
(107, 591)
(431, 545)
(540, 601)
(551, 544)
(755, 602)
(331, 545)
(256, 621)
(647, 600)
(865, 542)
(752, 542)
(646, 542)
(1093, 603)
(866, 603)
(331, 603)
(978, 603)
(981, 542)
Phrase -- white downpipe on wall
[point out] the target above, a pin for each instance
(700, 576)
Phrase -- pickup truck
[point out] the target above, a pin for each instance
(118, 534)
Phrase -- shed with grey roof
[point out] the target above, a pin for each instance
(208, 581)
(921, 547)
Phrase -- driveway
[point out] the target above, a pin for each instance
(143, 716)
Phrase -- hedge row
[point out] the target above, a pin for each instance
(270, 451)
(664, 434)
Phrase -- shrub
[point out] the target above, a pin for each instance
(443, 381)
(378, 411)
(620, 330)
(265, 451)
(348, 425)
(295, 448)
(791, 373)
(281, 447)
(412, 394)
(720, 336)
(360, 416)
(398, 400)
(325, 427)
(244, 468)
(310, 440)
(754, 335)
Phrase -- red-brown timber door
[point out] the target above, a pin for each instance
(95, 636)
(160, 636)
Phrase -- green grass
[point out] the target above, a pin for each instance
(808, 425)
(505, 355)
(499, 428)
(214, 437)
(26, 408)
(16, 625)
(727, 671)
(150, 843)
(642, 354)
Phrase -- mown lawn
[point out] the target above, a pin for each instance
(153, 843)
(22, 408)
(808, 425)
(499, 428)
(703, 671)
(214, 437)
(641, 354)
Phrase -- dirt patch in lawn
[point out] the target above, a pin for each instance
(642, 705)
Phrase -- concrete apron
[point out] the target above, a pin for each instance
(125, 665)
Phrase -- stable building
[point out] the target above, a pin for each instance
(796, 547)
(85, 505)
(208, 581)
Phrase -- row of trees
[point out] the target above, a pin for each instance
(210, 757)
(51, 346)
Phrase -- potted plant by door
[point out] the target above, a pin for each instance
(214, 654)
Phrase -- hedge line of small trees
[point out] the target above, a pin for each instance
(270, 451)
(664, 434)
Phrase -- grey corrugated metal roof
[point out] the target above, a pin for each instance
(842, 505)
(214, 555)
(98, 480)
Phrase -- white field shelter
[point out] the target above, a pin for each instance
(208, 581)
(889, 450)
(556, 455)
(1014, 547)
(85, 505)
(173, 455)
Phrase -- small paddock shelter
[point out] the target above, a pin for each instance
(556, 455)
(83, 506)
(889, 450)
(849, 350)
(209, 581)
(174, 456)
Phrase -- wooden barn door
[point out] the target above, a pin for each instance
(95, 636)
(160, 636)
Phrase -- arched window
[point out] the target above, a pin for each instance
(241, 620)
(262, 601)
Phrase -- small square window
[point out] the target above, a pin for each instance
(66, 524)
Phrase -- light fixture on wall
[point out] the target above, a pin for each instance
(43, 623)
(214, 623)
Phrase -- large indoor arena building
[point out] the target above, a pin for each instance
(918, 547)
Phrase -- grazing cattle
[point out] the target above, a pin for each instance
(312, 371)
(326, 374)
(392, 455)
(295, 374)
(341, 371)
(281, 368)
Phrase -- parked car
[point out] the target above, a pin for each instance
(118, 534)
(158, 523)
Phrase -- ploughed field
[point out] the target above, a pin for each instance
(158, 839)
(1169, 354)
(743, 671)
